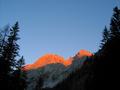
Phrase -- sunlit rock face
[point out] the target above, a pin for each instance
(54, 68)
(53, 58)
(48, 59)
(83, 53)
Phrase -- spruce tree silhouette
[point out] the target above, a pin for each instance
(9, 50)
(105, 37)
(4, 62)
(107, 58)
(19, 76)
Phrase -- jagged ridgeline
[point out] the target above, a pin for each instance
(53, 69)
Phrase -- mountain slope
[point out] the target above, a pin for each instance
(80, 79)
(54, 69)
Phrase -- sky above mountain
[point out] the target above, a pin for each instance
(62, 27)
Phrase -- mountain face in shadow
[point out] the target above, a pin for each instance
(53, 69)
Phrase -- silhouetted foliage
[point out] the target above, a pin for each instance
(107, 58)
(10, 66)
(19, 76)
(106, 37)
(3, 37)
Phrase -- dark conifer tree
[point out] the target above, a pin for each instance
(107, 58)
(4, 71)
(105, 37)
(3, 37)
(19, 76)
(115, 24)
(10, 66)
(10, 49)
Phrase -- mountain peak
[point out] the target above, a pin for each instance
(53, 59)
(83, 53)
(45, 60)
(48, 59)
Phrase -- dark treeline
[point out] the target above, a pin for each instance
(106, 60)
(100, 72)
(11, 75)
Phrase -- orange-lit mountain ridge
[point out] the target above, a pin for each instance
(53, 68)
(53, 59)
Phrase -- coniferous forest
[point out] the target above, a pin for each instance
(99, 72)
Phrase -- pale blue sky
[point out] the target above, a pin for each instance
(57, 26)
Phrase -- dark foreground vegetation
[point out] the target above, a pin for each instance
(11, 75)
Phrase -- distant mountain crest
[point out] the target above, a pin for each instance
(53, 58)
(83, 53)
(48, 59)
(54, 68)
